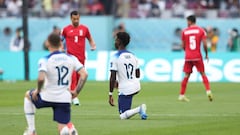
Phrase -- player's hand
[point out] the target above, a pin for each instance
(111, 102)
(93, 48)
(74, 93)
(34, 95)
(206, 57)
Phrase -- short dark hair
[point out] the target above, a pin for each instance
(192, 18)
(74, 12)
(123, 37)
(54, 40)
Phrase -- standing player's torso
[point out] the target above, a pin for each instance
(126, 73)
(192, 37)
(75, 39)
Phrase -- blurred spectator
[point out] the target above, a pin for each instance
(47, 8)
(14, 8)
(56, 30)
(223, 12)
(36, 8)
(17, 42)
(212, 39)
(108, 6)
(120, 28)
(177, 44)
(179, 8)
(122, 8)
(133, 12)
(234, 41)
(6, 38)
(3, 8)
(62, 8)
(75, 4)
(143, 8)
(233, 7)
(200, 8)
(3, 4)
(95, 8)
(1, 73)
(155, 8)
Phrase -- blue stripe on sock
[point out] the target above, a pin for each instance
(29, 113)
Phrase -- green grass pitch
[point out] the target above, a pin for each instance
(167, 116)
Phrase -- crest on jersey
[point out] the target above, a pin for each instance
(80, 32)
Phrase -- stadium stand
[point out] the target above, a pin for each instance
(145, 20)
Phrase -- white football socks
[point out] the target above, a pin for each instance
(129, 113)
(209, 92)
(29, 110)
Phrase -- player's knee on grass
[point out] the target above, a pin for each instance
(27, 94)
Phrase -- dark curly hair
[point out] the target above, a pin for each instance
(123, 37)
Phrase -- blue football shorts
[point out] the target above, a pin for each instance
(125, 102)
(61, 111)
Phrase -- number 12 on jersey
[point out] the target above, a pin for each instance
(129, 70)
(62, 73)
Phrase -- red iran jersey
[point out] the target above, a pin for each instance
(75, 40)
(192, 37)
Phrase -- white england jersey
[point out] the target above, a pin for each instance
(125, 63)
(58, 67)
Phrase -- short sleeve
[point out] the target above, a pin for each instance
(88, 35)
(42, 65)
(204, 36)
(113, 64)
(137, 61)
(78, 64)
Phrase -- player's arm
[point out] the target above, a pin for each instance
(183, 41)
(111, 86)
(63, 41)
(183, 45)
(204, 40)
(83, 77)
(92, 43)
(40, 82)
(138, 73)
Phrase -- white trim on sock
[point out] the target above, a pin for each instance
(209, 92)
(29, 110)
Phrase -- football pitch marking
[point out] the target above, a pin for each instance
(155, 115)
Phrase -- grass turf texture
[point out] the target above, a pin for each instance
(167, 116)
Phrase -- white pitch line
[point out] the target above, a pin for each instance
(151, 114)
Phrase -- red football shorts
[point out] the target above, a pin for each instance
(188, 66)
(75, 78)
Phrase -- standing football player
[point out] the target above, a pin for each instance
(192, 37)
(125, 67)
(54, 78)
(74, 36)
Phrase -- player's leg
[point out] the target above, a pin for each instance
(61, 114)
(207, 86)
(187, 68)
(124, 105)
(68, 129)
(75, 77)
(143, 112)
(200, 68)
(29, 110)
